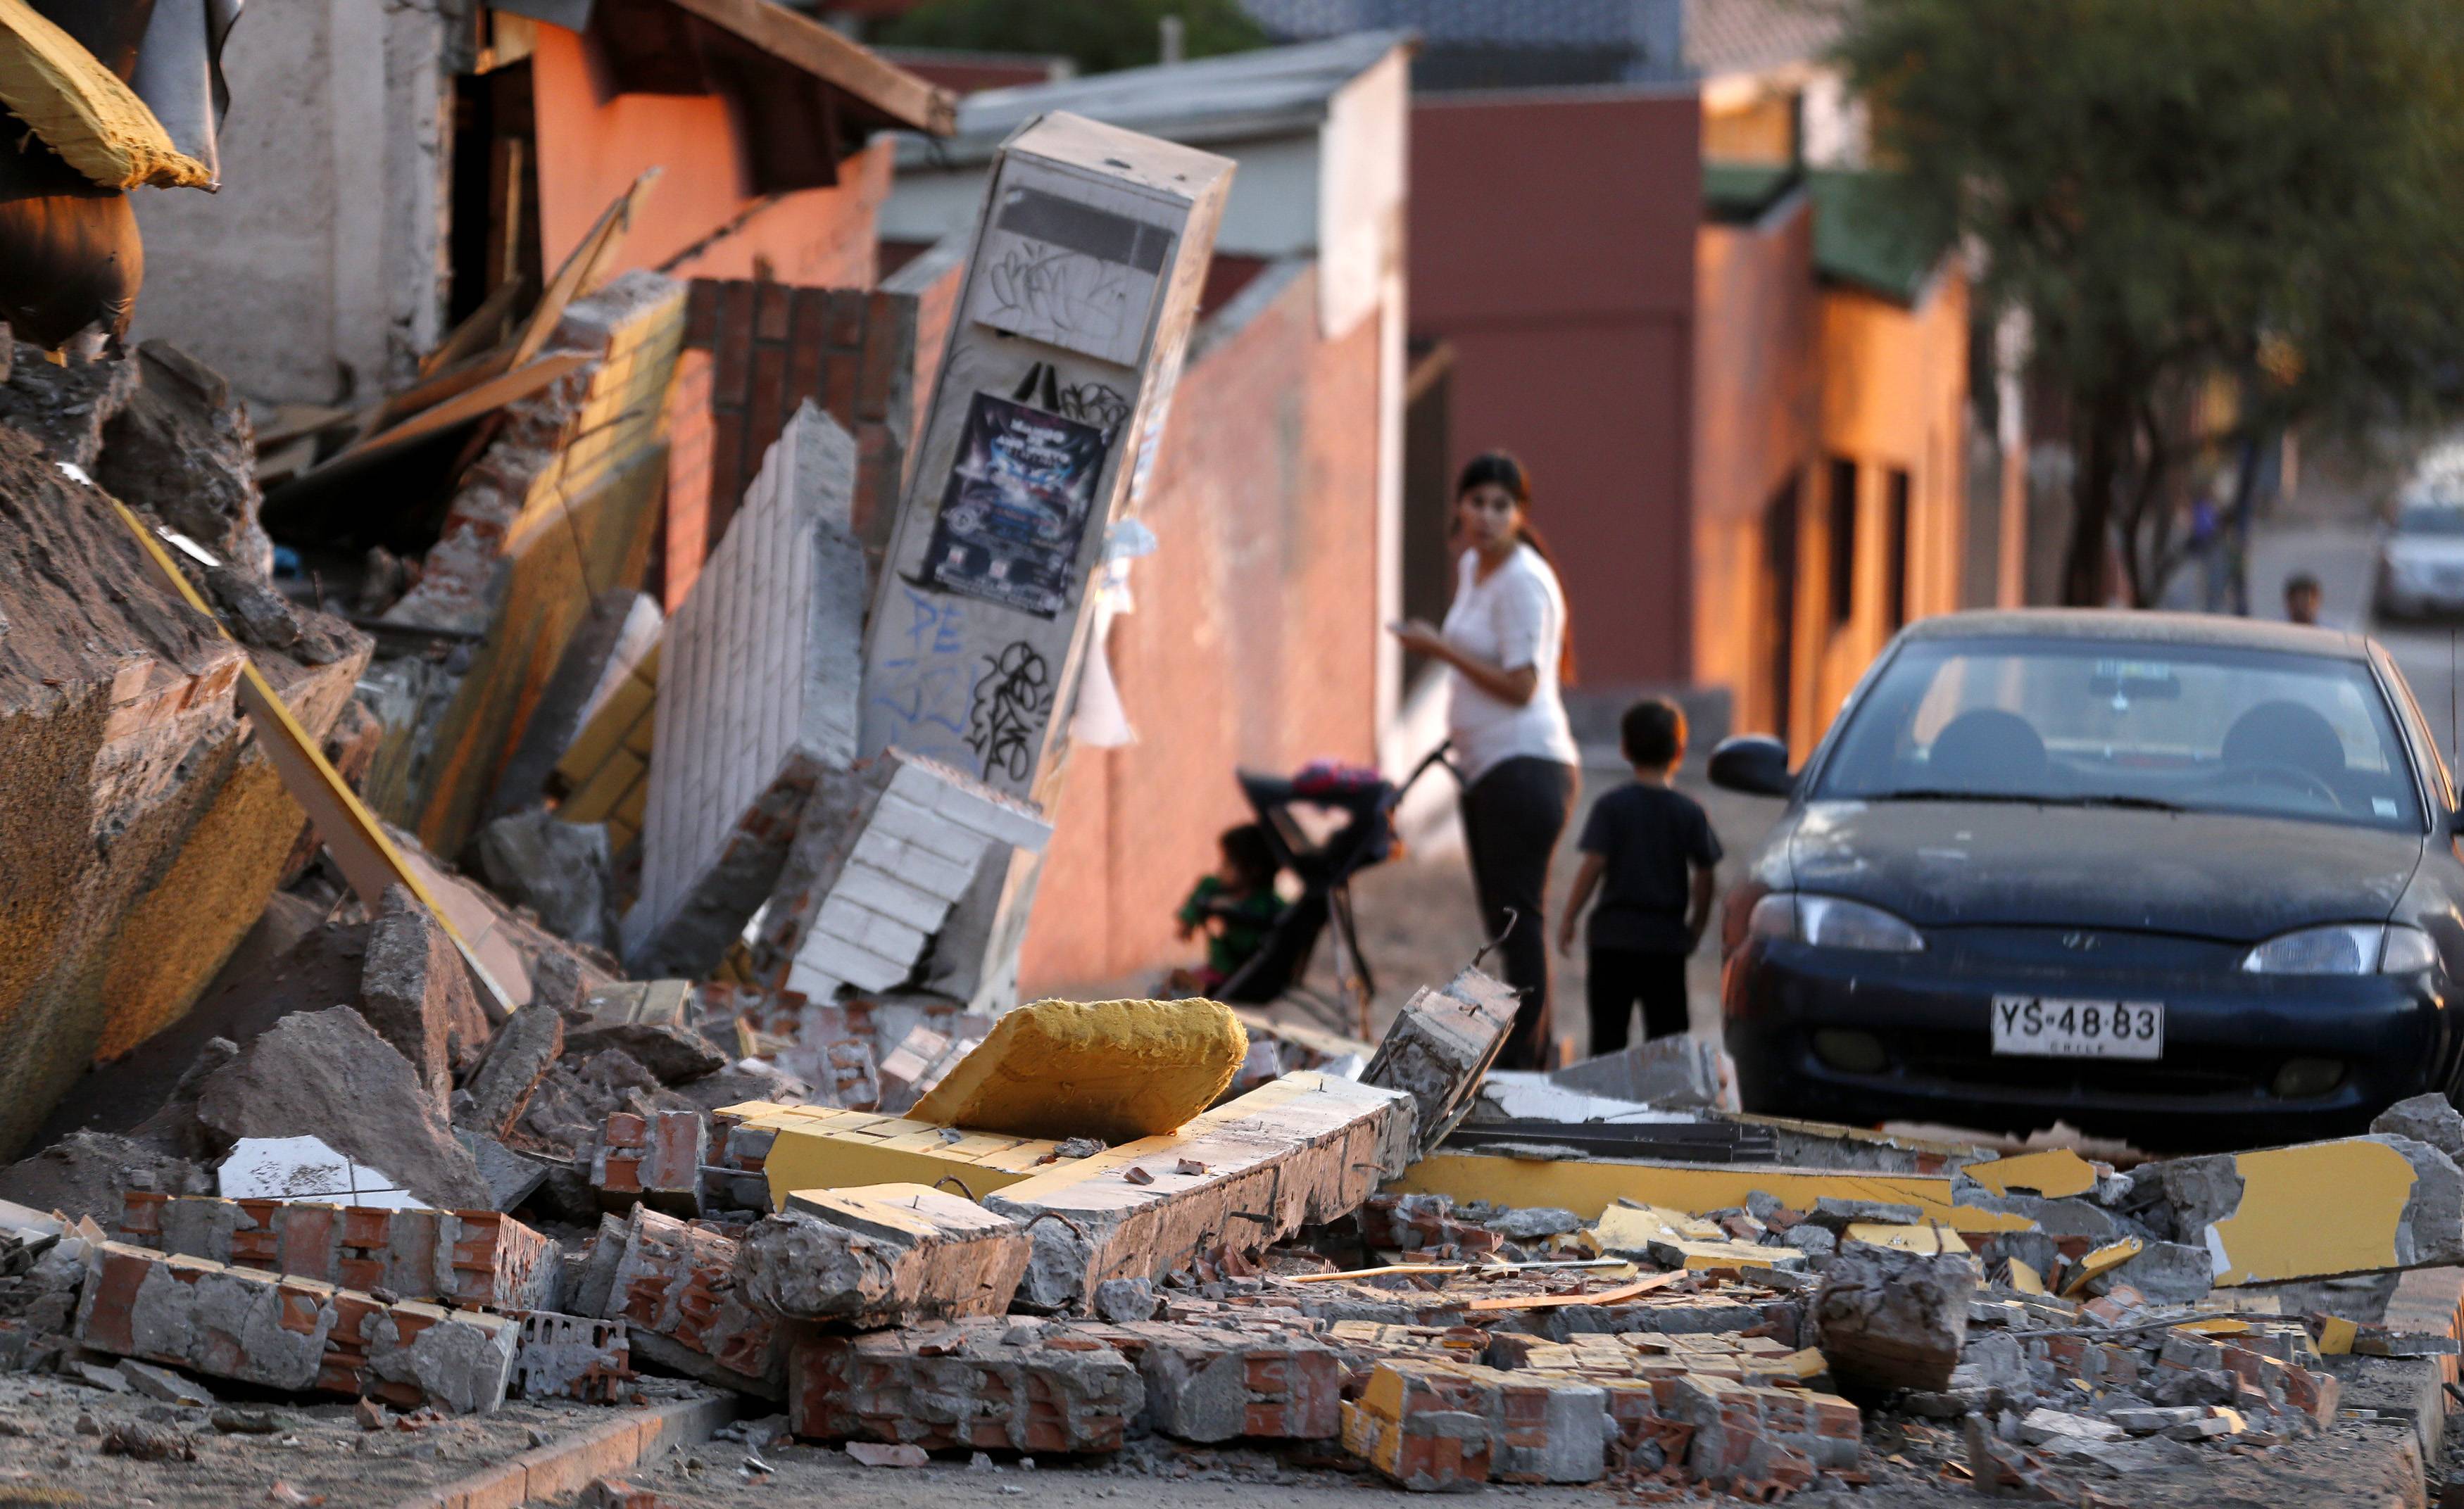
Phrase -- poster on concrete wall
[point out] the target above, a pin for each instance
(1015, 510)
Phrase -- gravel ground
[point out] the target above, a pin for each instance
(52, 1435)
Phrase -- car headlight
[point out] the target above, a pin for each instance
(2346, 949)
(1831, 922)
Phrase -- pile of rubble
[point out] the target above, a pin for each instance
(591, 1197)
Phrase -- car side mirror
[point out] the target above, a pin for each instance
(1753, 763)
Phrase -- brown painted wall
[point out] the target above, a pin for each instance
(1553, 245)
(1253, 643)
(699, 215)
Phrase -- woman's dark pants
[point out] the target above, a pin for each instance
(1512, 817)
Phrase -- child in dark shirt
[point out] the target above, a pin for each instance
(1648, 850)
(1235, 907)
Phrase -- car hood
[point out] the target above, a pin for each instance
(2425, 550)
(2240, 878)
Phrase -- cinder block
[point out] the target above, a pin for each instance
(1208, 1385)
(463, 1257)
(656, 1160)
(674, 1287)
(991, 1384)
(572, 1357)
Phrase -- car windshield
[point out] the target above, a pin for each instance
(2444, 518)
(2090, 723)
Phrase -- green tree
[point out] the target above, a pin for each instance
(2265, 194)
(1100, 34)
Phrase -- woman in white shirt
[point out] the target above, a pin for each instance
(1506, 642)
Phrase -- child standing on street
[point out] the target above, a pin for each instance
(1648, 850)
(1235, 908)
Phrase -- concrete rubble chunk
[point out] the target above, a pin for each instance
(90, 1173)
(512, 1178)
(1441, 1045)
(166, 1385)
(1891, 1319)
(1835, 1214)
(881, 856)
(1117, 1070)
(416, 992)
(2166, 1273)
(672, 1053)
(1683, 1072)
(327, 1074)
(562, 870)
(182, 449)
(1306, 1148)
(675, 1285)
(965, 1384)
(1209, 1385)
(882, 1255)
(531, 1039)
(2264, 1216)
(2431, 1118)
(464, 1258)
(735, 755)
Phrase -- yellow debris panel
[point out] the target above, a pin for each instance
(1588, 1185)
(820, 1147)
(2336, 1336)
(2309, 1210)
(2024, 1278)
(1630, 1230)
(82, 111)
(2104, 1260)
(2056, 1173)
(1930, 1240)
(1117, 1070)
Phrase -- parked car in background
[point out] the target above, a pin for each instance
(2421, 554)
(2187, 880)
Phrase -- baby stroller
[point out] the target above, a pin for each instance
(1327, 823)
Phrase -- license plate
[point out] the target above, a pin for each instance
(2046, 1028)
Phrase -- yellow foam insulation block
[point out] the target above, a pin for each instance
(821, 1147)
(1118, 1070)
(2056, 1173)
(82, 111)
(1932, 1241)
(1589, 1186)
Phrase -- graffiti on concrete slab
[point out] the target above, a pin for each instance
(1097, 403)
(921, 690)
(1013, 701)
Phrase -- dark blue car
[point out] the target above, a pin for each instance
(2186, 879)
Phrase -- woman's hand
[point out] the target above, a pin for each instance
(1420, 637)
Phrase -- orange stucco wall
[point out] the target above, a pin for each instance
(593, 144)
(1757, 395)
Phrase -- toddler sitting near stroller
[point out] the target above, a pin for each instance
(1235, 908)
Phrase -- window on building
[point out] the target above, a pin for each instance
(1895, 562)
(1843, 540)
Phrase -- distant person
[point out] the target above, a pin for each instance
(1648, 849)
(1235, 908)
(1506, 642)
(2301, 597)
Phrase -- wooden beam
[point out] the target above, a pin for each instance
(799, 40)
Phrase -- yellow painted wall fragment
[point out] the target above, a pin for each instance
(2311, 1211)
(2336, 1336)
(2105, 1259)
(2056, 1173)
(1630, 1230)
(1588, 1185)
(821, 1147)
(2024, 1278)
(1118, 1070)
(2216, 1325)
(1930, 1240)
(82, 111)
